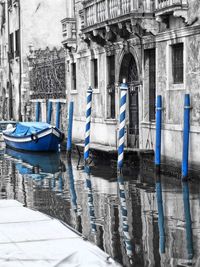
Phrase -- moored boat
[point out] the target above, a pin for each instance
(33, 136)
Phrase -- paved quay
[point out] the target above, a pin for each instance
(30, 238)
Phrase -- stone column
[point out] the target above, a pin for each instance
(70, 8)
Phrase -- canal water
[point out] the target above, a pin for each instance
(138, 219)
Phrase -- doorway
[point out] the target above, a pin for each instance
(130, 73)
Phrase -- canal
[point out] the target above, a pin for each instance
(138, 219)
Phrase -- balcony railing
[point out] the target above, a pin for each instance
(170, 4)
(102, 10)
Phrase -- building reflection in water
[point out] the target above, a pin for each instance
(137, 223)
(124, 219)
(188, 223)
(160, 214)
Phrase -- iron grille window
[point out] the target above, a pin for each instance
(9, 3)
(11, 43)
(94, 73)
(17, 43)
(150, 55)
(73, 65)
(177, 63)
(111, 84)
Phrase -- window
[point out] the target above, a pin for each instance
(94, 73)
(73, 68)
(111, 86)
(11, 43)
(9, 3)
(177, 63)
(17, 43)
(151, 74)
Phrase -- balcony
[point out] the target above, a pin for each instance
(169, 6)
(95, 12)
(69, 33)
(105, 20)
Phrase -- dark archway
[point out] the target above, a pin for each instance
(129, 71)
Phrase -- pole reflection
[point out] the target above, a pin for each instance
(160, 214)
(124, 219)
(90, 199)
(188, 222)
(73, 196)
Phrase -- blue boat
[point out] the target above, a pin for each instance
(33, 136)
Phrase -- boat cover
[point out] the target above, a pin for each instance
(28, 128)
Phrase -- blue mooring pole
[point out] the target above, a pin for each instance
(122, 123)
(158, 132)
(58, 115)
(186, 132)
(188, 221)
(70, 124)
(37, 111)
(49, 111)
(88, 122)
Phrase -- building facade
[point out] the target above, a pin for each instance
(25, 27)
(151, 44)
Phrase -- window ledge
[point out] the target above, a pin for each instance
(73, 92)
(95, 91)
(110, 121)
(177, 86)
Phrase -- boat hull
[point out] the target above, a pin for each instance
(47, 140)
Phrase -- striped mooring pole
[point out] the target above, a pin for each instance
(69, 131)
(188, 221)
(158, 132)
(88, 122)
(49, 111)
(37, 111)
(160, 215)
(122, 122)
(58, 115)
(186, 132)
(124, 217)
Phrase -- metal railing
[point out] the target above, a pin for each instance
(101, 10)
(160, 4)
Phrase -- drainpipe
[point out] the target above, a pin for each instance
(20, 66)
(10, 109)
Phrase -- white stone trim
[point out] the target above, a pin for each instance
(58, 100)
(28, 138)
(178, 33)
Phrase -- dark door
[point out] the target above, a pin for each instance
(133, 129)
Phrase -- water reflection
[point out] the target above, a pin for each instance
(73, 195)
(188, 223)
(90, 203)
(135, 220)
(160, 213)
(124, 219)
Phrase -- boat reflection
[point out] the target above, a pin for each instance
(35, 163)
